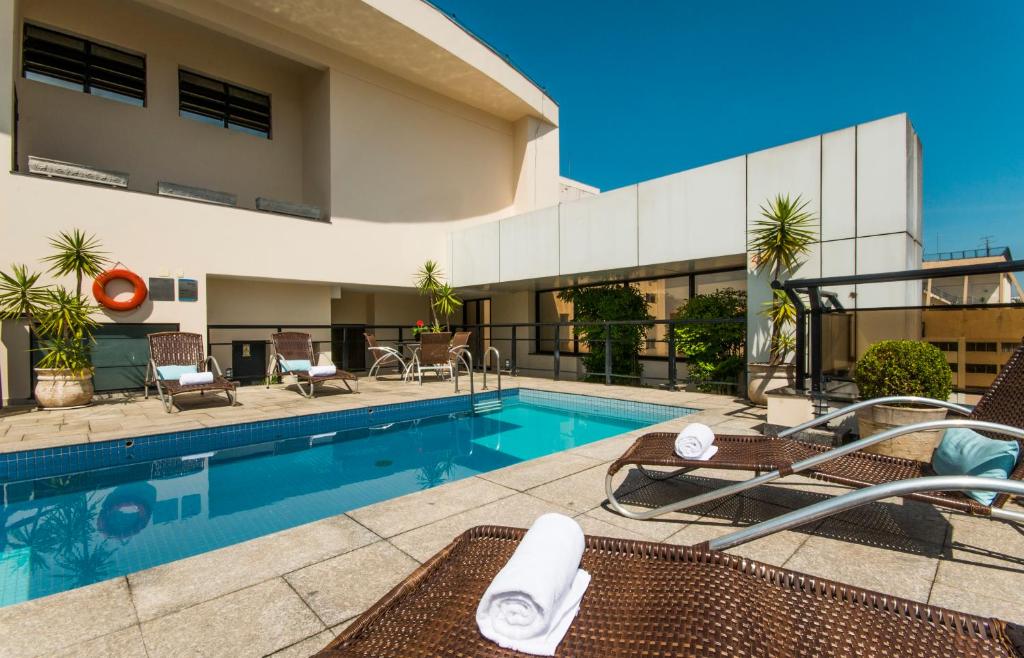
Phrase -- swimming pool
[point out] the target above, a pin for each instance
(66, 525)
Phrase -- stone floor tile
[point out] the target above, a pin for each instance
(879, 569)
(536, 472)
(391, 517)
(996, 581)
(305, 648)
(254, 621)
(43, 626)
(182, 583)
(342, 587)
(518, 511)
(126, 643)
(965, 599)
(773, 549)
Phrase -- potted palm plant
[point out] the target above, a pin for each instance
(902, 367)
(441, 297)
(62, 319)
(779, 242)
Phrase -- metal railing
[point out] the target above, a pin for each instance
(534, 348)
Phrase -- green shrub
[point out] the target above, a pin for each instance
(903, 367)
(713, 352)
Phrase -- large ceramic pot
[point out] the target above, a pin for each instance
(882, 417)
(57, 389)
(764, 377)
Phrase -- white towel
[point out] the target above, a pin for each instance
(533, 600)
(320, 371)
(694, 441)
(192, 378)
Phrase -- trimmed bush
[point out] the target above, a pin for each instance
(713, 352)
(903, 367)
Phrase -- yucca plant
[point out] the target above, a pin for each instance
(76, 253)
(441, 297)
(779, 241)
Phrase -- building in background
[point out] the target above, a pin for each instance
(268, 164)
(976, 341)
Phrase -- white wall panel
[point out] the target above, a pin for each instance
(882, 176)
(838, 184)
(839, 258)
(529, 245)
(599, 233)
(793, 169)
(474, 255)
(697, 213)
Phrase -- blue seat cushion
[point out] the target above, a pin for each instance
(965, 452)
(174, 372)
(292, 365)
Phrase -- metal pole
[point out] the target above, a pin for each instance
(607, 355)
(816, 346)
(557, 364)
(512, 365)
(671, 338)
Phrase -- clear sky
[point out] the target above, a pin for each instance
(646, 88)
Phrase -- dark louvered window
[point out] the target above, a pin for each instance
(74, 63)
(223, 104)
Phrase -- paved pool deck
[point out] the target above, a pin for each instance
(289, 593)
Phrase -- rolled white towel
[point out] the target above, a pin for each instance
(320, 371)
(694, 441)
(193, 378)
(531, 603)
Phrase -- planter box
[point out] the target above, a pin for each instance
(882, 417)
(289, 208)
(74, 171)
(196, 194)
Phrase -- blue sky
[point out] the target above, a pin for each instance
(649, 88)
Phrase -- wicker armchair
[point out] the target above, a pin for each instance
(433, 355)
(176, 348)
(298, 346)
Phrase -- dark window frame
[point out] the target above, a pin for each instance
(92, 65)
(233, 116)
(576, 351)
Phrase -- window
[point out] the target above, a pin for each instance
(222, 104)
(954, 366)
(982, 368)
(981, 347)
(74, 63)
(1010, 347)
(946, 346)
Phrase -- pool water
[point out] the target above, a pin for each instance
(72, 530)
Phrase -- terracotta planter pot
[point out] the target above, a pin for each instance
(882, 417)
(58, 389)
(765, 377)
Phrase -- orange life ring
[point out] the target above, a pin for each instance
(100, 293)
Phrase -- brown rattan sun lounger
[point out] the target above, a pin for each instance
(999, 415)
(295, 345)
(648, 599)
(176, 348)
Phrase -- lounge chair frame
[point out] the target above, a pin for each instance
(291, 345)
(384, 356)
(178, 348)
(999, 414)
(438, 359)
(650, 599)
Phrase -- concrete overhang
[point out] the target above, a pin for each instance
(407, 38)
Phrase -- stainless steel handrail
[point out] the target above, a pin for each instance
(497, 360)
(467, 359)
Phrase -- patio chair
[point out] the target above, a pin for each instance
(384, 356)
(460, 344)
(170, 351)
(649, 599)
(998, 415)
(294, 355)
(433, 355)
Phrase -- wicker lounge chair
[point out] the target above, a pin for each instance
(175, 348)
(460, 344)
(648, 599)
(384, 356)
(295, 345)
(433, 355)
(999, 415)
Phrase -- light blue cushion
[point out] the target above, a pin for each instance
(174, 372)
(965, 452)
(291, 365)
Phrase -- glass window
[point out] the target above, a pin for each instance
(223, 104)
(736, 279)
(70, 62)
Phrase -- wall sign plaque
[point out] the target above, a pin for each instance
(188, 290)
(161, 289)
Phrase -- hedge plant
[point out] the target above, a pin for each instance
(605, 303)
(714, 352)
(903, 367)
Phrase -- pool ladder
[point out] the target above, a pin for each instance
(466, 358)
